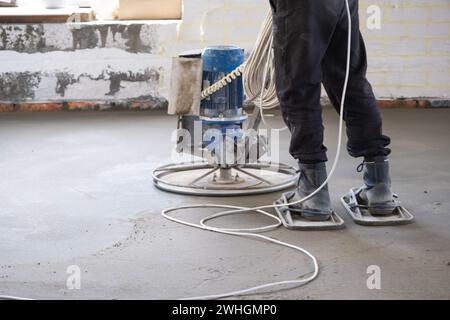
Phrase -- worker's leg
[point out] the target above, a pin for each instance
(302, 33)
(364, 124)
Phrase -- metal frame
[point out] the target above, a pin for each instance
(223, 189)
(361, 215)
(297, 222)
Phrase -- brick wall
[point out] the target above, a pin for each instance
(130, 64)
(410, 54)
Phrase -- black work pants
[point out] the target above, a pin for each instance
(310, 49)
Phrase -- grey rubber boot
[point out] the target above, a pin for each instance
(376, 193)
(318, 208)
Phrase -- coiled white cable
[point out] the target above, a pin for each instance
(258, 68)
(255, 71)
(251, 233)
(237, 210)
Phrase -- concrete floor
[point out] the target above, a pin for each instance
(76, 189)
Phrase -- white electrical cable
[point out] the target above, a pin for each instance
(264, 88)
(236, 210)
(258, 67)
(255, 71)
(252, 233)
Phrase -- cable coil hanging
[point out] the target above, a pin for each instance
(258, 72)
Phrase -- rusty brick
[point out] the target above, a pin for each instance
(6, 107)
(40, 107)
(384, 104)
(398, 103)
(423, 103)
(146, 105)
(136, 105)
(81, 105)
(408, 104)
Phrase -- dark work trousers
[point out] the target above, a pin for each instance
(310, 48)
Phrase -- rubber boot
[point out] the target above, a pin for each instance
(376, 193)
(318, 208)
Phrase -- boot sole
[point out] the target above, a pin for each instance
(316, 217)
(383, 209)
(362, 216)
(382, 212)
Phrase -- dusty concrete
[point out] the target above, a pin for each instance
(75, 189)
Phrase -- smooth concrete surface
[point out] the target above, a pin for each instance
(76, 189)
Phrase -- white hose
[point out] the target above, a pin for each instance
(266, 98)
(254, 71)
(259, 67)
(252, 233)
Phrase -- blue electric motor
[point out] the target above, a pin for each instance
(223, 110)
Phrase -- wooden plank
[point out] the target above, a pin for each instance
(150, 9)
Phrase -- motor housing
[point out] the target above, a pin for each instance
(224, 107)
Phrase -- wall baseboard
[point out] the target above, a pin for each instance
(145, 105)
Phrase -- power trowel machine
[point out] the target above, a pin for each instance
(228, 154)
(223, 143)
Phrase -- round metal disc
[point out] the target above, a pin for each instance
(203, 179)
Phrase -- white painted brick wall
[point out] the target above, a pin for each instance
(408, 57)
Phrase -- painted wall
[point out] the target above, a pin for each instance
(409, 55)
